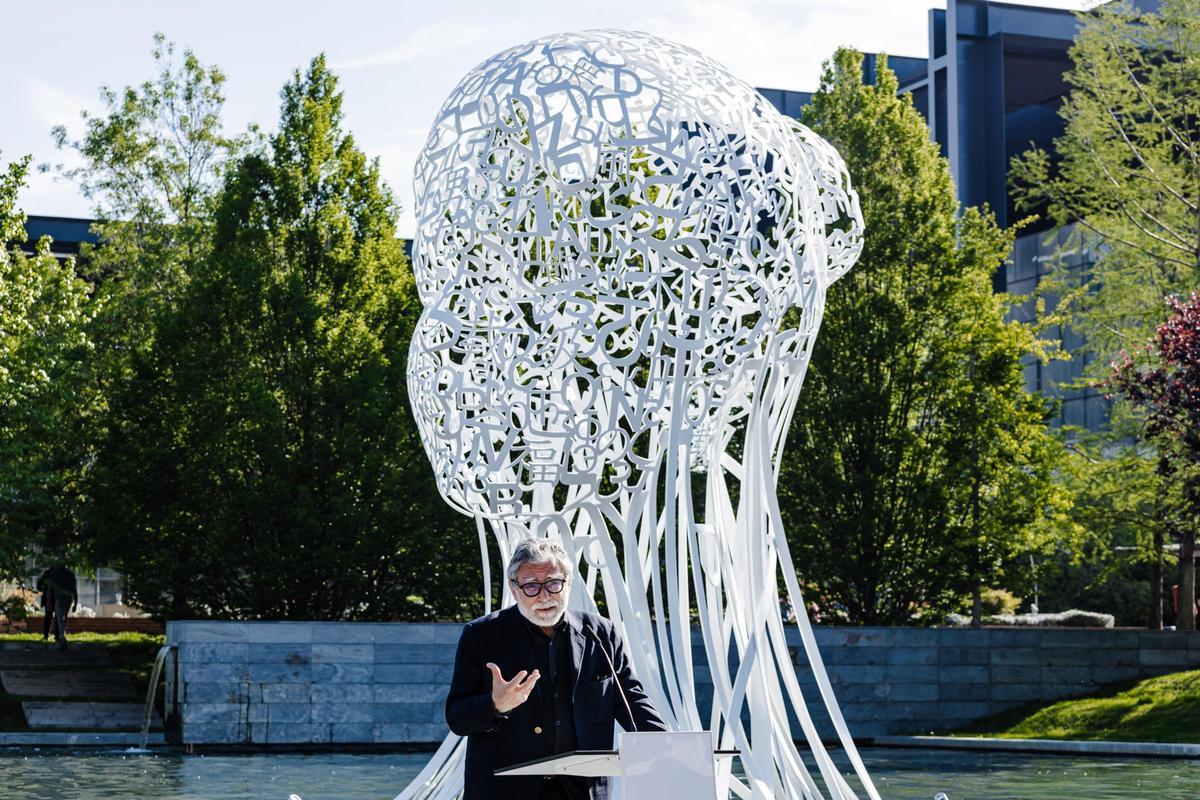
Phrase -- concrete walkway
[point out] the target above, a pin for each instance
(1153, 749)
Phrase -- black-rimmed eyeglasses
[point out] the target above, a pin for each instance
(533, 588)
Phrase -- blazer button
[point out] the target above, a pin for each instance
(537, 728)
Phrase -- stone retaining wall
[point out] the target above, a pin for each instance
(357, 683)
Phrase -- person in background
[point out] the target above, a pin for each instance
(66, 594)
(46, 590)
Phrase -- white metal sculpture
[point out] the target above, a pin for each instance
(623, 253)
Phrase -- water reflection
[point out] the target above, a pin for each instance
(900, 775)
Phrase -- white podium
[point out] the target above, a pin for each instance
(650, 765)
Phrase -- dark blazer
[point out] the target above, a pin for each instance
(494, 742)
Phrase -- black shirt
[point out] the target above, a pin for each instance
(552, 658)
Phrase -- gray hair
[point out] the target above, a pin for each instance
(539, 551)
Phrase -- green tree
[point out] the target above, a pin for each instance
(1126, 175)
(917, 466)
(45, 403)
(265, 463)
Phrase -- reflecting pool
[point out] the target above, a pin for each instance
(900, 775)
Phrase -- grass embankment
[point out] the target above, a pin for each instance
(131, 653)
(1163, 709)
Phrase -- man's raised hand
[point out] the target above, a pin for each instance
(507, 695)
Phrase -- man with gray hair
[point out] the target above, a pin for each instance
(537, 679)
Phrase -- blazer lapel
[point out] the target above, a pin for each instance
(578, 646)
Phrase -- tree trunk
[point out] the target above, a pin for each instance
(1156, 579)
(1186, 618)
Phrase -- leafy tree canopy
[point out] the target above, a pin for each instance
(264, 462)
(44, 401)
(917, 465)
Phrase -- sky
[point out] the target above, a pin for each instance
(397, 61)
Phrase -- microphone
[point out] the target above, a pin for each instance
(616, 678)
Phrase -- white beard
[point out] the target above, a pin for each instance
(544, 619)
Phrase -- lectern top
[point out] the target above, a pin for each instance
(582, 763)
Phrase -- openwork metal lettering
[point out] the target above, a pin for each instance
(623, 253)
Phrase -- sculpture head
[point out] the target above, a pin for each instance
(611, 227)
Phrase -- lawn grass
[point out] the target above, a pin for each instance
(132, 653)
(1163, 709)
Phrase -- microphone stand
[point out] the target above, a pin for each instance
(616, 678)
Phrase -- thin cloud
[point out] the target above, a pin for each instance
(53, 105)
(425, 41)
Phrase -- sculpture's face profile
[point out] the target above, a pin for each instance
(611, 227)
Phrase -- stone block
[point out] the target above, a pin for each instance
(1066, 657)
(1087, 638)
(913, 692)
(857, 656)
(962, 656)
(409, 712)
(322, 732)
(963, 692)
(283, 692)
(352, 732)
(1061, 691)
(863, 712)
(422, 673)
(213, 733)
(212, 712)
(344, 632)
(340, 693)
(415, 653)
(278, 673)
(1162, 640)
(868, 637)
(907, 710)
(1102, 675)
(220, 652)
(342, 673)
(1015, 673)
(1015, 656)
(214, 693)
(1016, 692)
(1080, 676)
(197, 672)
(963, 674)
(257, 732)
(853, 673)
(1163, 657)
(912, 673)
(1153, 671)
(273, 653)
(419, 633)
(289, 732)
(343, 712)
(410, 693)
(290, 712)
(924, 656)
(861, 692)
(968, 638)
(412, 732)
(343, 653)
(1014, 638)
(189, 631)
(1115, 657)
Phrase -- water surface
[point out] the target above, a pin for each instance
(899, 774)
